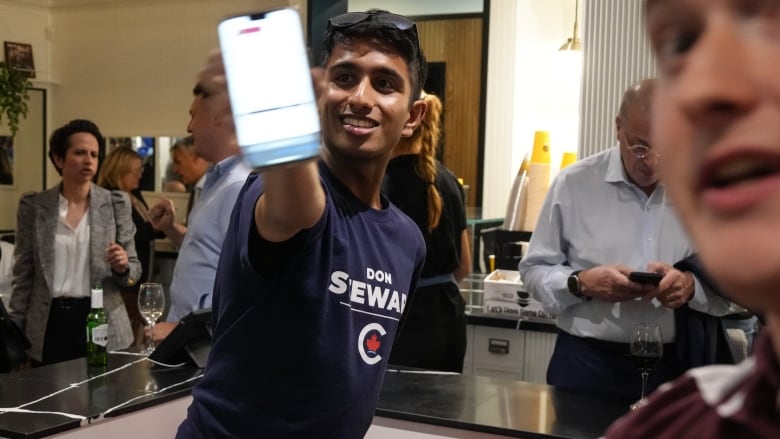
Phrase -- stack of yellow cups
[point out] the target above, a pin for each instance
(538, 179)
(568, 158)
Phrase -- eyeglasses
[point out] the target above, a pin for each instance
(641, 152)
(350, 19)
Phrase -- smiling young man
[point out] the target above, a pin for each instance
(318, 266)
(716, 114)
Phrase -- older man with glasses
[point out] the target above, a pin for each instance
(605, 217)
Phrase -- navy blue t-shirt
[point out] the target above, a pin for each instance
(300, 346)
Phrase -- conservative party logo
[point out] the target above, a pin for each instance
(370, 341)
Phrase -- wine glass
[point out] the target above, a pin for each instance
(646, 349)
(151, 304)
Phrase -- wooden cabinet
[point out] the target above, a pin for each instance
(510, 353)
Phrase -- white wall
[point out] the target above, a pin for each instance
(131, 65)
(531, 86)
(28, 24)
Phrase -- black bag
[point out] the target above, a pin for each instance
(189, 342)
(13, 342)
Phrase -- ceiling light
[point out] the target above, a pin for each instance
(574, 42)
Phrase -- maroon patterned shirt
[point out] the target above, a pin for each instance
(732, 402)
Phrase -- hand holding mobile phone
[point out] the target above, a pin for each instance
(270, 87)
(645, 278)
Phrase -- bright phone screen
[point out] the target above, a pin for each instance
(269, 82)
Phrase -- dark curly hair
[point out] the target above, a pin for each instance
(405, 42)
(59, 142)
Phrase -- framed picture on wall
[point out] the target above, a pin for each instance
(6, 160)
(19, 56)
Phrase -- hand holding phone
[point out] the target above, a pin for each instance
(270, 87)
(645, 278)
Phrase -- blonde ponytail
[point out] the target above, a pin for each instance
(428, 135)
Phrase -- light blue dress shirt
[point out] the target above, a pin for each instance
(593, 215)
(196, 265)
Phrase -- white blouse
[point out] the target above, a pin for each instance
(71, 256)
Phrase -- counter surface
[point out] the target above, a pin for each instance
(486, 404)
(85, 394)
(495, 405)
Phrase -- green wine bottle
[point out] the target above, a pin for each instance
(97, 331)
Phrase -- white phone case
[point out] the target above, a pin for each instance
(270, 87)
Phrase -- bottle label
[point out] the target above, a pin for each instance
(100, 335)
(96, 298)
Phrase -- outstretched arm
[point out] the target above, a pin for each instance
(293, 198)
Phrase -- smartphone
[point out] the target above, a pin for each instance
(643, 277)
(270, 87)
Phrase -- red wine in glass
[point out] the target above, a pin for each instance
(646, 349)
(646, 362)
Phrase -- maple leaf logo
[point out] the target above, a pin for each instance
(373, 343)
(369, 344)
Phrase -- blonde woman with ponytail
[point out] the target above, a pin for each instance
(434, 333)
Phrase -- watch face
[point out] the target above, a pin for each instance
(573, 284)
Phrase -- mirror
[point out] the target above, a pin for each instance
(156, 155)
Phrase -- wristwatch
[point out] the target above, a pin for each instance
(574, 284)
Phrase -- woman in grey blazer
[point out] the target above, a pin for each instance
(70, 238)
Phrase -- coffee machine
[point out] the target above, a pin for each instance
(505, 245)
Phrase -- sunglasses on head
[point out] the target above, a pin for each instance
(350, 19)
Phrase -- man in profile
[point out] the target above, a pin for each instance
(200, 241)
(190, 167)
